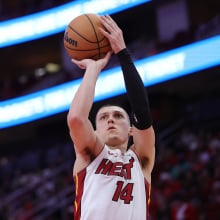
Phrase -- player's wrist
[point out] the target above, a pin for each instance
(124, 56)
(118, 50)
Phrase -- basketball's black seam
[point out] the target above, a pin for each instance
(87, 49)
(93, 42)
(97, 40)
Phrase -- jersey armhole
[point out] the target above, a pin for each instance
(92, 164)
(139, 163)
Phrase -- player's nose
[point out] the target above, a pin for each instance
(110, 119)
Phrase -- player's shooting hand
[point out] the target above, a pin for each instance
(99, 64)
(113, 33)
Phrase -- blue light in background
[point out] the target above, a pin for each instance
(55, 20)
(156, 69)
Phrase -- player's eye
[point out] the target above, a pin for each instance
(118, 115)
(103, 117)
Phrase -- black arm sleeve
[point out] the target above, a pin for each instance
(137, 94)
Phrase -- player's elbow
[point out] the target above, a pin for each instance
(74, 120)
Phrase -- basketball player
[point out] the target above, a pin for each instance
(111, 181)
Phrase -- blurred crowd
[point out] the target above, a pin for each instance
(186, 178)
(38, 183)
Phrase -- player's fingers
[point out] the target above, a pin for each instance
(107, 23)
(104, 31)
(78, 63)
(74, 61)
(108, 55)
(103, 62)
(110, 21)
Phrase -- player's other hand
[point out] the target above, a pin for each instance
(113, 33)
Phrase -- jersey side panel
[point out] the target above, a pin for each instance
(79, 180)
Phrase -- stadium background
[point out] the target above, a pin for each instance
(36, 158)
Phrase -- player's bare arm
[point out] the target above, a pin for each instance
(86, 143)
(144, 147)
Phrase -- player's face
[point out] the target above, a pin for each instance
(113, 125)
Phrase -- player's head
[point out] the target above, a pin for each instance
(113, 124)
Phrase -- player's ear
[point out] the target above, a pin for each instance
(130, 132)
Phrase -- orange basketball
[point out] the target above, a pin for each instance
(83, 39)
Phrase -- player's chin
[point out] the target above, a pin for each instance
(113, 140)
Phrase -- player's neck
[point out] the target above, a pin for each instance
(122, 148)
